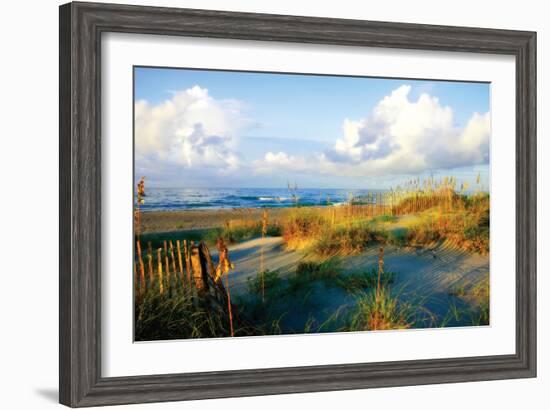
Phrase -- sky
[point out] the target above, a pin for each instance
(205, 128)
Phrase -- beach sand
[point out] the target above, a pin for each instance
(170, 221)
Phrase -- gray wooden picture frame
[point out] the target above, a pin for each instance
(81, 27)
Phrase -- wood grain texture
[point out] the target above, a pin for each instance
(81, 26)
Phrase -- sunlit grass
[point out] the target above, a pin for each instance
(463, 222)
(175, 316)
(382, 311)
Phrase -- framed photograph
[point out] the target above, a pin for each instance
(259, 204)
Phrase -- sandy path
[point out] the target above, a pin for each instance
(247, 259)
(317, 303)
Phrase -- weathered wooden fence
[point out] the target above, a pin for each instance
(184, 264)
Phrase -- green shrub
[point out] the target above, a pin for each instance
(397, 237)
(308, 272)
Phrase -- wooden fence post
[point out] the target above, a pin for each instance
(180, 264)
(173, 260)
(159, 270)
(166, 265)
(136, 287)
(151, 272)
(186, 253)
(197, 267)
(150, 261)
(141, 269)
(206, 259)
(224, 265)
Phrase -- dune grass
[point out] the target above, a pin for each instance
(174, 316)
(476, 296)
(344, 240)
(462, 221)
(467, 228)
(269, 282)
(303, 227)
(381, 311)
(357, 282)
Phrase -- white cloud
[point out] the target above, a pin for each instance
(280, 160)
(191, 129)
(399, 136)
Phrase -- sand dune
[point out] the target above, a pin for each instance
(247, 259)
(425, 273)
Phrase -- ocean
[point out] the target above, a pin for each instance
(171, 199)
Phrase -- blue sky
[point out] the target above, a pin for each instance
(241, 129)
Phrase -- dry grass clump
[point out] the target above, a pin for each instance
(443, 199)
(314, 230)
(303, 227)
(418, 195)
(344, 240)
(236, 231)
(466, 228)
